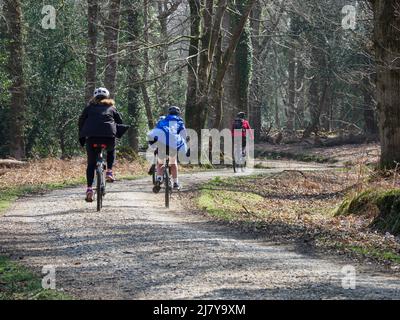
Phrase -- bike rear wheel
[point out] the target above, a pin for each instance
(168, 189)
(100, 191)
(154, 175)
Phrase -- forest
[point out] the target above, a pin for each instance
(299, 69)
(317, 80)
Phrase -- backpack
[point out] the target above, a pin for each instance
(238, 124)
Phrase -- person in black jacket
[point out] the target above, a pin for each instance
(98, 125)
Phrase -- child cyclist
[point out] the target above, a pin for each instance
(170, 137)
(98, 125)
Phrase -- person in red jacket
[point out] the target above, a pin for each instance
(239, 128)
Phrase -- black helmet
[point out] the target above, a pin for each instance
(174, 110)
(241, 115)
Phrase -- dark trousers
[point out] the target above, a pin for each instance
(93, 153)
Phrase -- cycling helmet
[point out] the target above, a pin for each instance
(241, 115)
(173, 110)
(101, 92)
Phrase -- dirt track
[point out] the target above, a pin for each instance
(136, 249)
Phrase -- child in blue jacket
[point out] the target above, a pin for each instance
(170, 135)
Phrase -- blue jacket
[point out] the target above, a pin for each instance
(171, 132)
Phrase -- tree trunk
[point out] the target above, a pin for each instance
(164, 83)
(91, 56)
(371, 125)
(387, 48)
(13, 16)
(318, 89)
(255, 88)
(236, 83)
(290, 111)
(111, 38)
(244, 59)
(191, 92)
(216, 87)
(146, 63)
(300, 90)
(133, 75)
(196, 117)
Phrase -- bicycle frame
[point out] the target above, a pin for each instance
(239, 157)
(155, 163)
(167, 181)
(101, 168)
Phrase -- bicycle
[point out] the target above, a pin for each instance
(154, 167)
(239, 158)
(167, 181)
(100, 176)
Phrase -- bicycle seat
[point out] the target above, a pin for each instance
(102, 146)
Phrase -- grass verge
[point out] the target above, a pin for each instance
(9, 195)
(19, 283)
(303, 157)
(292, 207)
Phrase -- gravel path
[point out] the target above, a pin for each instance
(136, 249)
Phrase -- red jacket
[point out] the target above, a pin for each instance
(245, 126)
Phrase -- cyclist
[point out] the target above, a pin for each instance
(239, 129)
(98, 125)
(170, 136)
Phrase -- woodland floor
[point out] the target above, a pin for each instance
(350, 154)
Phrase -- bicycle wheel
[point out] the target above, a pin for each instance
(167, 188)
(236, 162)
(99, 176)
(154, 175)
(243, 166)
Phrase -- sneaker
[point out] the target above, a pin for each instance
(177, 186)
(110, 177)
(89, 195)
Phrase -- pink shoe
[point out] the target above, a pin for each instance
(89, 195)
(109, 176)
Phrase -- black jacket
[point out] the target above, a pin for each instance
(99, 121)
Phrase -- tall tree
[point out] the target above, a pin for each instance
(217, 84)
(146, 64)
(213, 64)
(91, 55)
(111, 39)
(211, 27)
(290, 111)
(237, 80)
(134, 23)
(13, 16)
(387, 49)
(163, 83)
(195, 20)
(255, 86)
